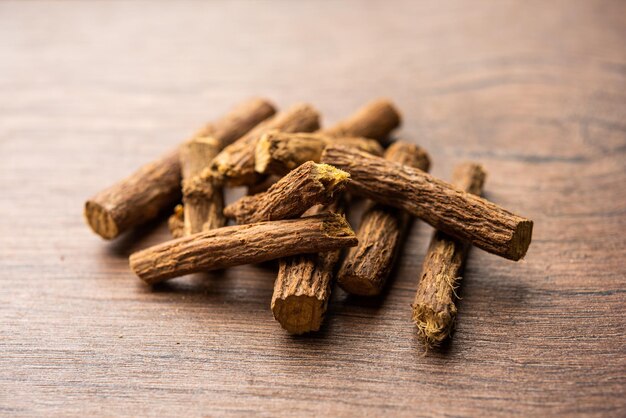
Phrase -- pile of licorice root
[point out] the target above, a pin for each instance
(300, 180)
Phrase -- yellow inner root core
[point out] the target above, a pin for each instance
(100, 220)
(330, 176)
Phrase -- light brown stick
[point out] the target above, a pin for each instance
(374, 120)
(290, 197)
(235, 164)
(135, 199)
(242, 244)
(462, 215)
(303, 285)
(156, 186)
(279, 152)
(366, 268)
(203, 200)
(434, 309)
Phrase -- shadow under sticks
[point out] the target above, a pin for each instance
(143, 236)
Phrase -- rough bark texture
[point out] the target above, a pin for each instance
(279, 152)
(156, 186)
(135, 199)
(462, 215)
(242, 244)
(374, 120)
(303, 285)
(434, 310)
(203, 200)
(308, 185)
(263, 185)
(367, 266)
(235, 164)
(176, 221)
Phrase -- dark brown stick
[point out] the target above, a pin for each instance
(434, 309)
(366, 268)
(290, 197)
(462, 215)
(203, 200)
(374, 120)
(156, 186)
(242, 244)
(303, 285)
(279, 152)
(235, 164)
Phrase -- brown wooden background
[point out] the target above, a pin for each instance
(534, 90)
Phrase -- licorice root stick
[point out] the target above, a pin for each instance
(290, 197)
(203, 200)
(279, 152)
(156, 186)
(234, 165)
(303, 285)
(366, 267)
(434, 309)
(374, 120)
(242, 244)
(462, 215)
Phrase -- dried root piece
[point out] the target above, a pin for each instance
(434, 310)
(462, 215)
(235, 164)
(242, 244)
(203, 200)
(135, 199)
(263, 185)
(367, 266)
(279, 152)
(290, 197)
(374, 120)
(303, 285)
(155, 187)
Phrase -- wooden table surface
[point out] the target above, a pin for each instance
(536, 91)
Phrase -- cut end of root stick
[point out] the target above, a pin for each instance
(263, 155)
(433, 327)
(299, 314)
(521, 240)
(100, 220)
(336, 225)
(333, 179)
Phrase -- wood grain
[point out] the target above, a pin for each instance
(532, 90)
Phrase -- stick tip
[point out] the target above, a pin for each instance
(100, 220)
(522, 236)
(433, 327)
(299, 314)
(332, 178)
(337, 225)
